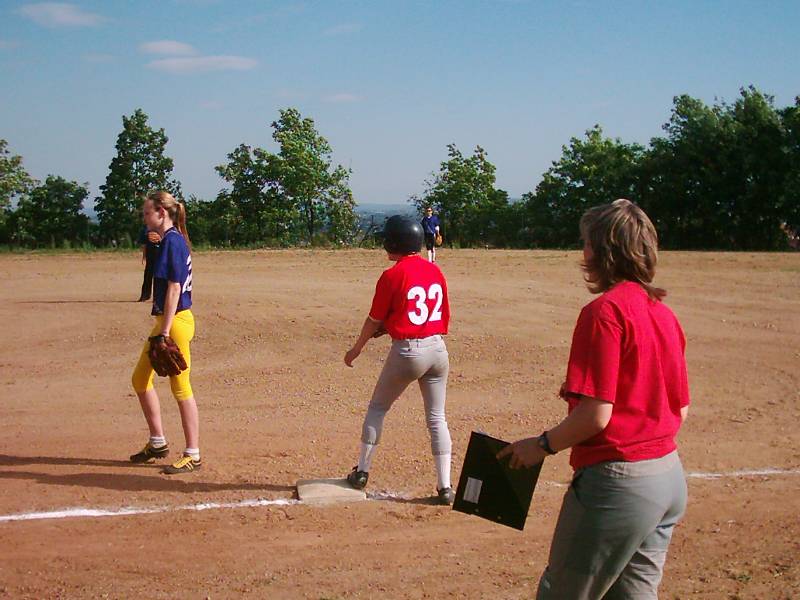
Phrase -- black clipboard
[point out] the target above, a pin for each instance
(488, 488)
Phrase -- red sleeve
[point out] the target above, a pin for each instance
(382, 300)
(594, 358)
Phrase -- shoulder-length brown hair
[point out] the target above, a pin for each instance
(624, 247)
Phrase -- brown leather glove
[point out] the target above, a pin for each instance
(165, 356)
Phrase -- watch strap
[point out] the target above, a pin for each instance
(544, 443)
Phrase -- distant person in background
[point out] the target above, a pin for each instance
(149, 242)
(792, 235)
(430, 227)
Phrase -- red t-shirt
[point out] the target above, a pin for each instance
(629, 350)
(411, 299)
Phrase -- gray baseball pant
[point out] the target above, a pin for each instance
(426, 361)
(614, 530)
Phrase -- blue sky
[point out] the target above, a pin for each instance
(389, 84)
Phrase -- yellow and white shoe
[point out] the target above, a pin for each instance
(148, 453)
(184, 464)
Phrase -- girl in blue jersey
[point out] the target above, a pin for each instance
(172, 301)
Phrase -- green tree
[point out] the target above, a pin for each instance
(759, 167)
(682, 175)
(464, 196)
(139, 167)
(254, 210)
(50, 214)
(591, 171)
(340, 212)
(14, 182)
(296, 192)
(719, 177)
(306, 177)
(790, 197)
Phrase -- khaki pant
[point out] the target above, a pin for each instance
(614, 530)
(425, 361)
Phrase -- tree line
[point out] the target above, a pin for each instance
(725, 176)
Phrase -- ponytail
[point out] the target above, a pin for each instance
(181, 224)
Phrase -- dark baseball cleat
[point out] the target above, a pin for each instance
(357, 479)
(185, 464)
(148, 453)
(446, 496)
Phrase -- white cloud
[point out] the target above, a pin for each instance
(343, 29)
(59, 14)
(168, 47)
(202, 64)
(341, 98)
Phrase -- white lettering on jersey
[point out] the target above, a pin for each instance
(435, 292)
(187, 285)
(421, 315)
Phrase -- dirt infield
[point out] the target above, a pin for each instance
(277, 405)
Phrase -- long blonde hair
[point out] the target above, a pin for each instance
(624, 247)
(176, 210)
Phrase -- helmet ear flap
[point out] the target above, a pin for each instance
(389, 245)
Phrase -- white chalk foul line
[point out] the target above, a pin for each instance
(378, 495)
(92, 512)
(752, 473)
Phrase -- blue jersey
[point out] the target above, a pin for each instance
(174, 264)
(429, 224)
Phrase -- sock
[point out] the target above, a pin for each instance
(156, 441)
(430, 256)
(366, 456)
(442, 470)
(193, 452)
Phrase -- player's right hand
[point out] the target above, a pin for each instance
(523, 453)
(351, 355)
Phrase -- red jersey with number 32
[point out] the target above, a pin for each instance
(411, 299)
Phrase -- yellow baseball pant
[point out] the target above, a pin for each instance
(182, 332)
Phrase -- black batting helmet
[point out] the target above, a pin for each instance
(402, 235)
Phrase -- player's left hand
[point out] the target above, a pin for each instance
(153, 237)
(351, 355)
(165, 356)
(524, 453)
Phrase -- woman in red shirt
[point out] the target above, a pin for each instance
(627, 394)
